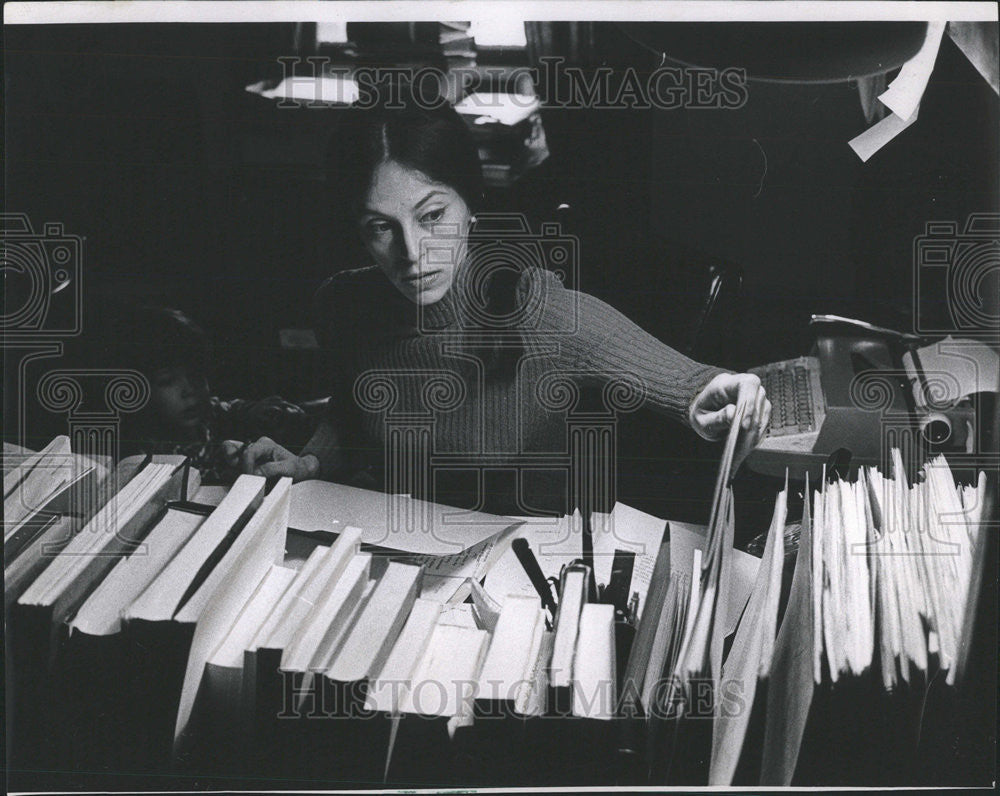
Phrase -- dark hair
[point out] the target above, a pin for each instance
(433, 140)
(148, 338)
(436, 142)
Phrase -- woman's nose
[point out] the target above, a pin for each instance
(409, 244)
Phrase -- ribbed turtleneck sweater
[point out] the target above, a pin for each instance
(483, 391)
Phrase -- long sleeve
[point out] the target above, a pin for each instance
(499, 414)
(606, 343)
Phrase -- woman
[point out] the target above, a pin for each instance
(477, 353)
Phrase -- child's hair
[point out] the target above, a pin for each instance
(147, 338)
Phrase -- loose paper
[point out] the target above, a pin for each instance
(685, 538)
(393, 521)
(905, 92)
(555, 543)
(878, 135)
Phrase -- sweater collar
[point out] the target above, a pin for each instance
(403, 316)
(411, 318)
(439, 315)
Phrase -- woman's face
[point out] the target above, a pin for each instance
(416, 229)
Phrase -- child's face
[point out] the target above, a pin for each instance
(179, 397)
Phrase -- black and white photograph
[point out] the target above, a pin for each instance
(487, 395)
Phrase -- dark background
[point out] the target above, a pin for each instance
(194, 193)
(190, 190)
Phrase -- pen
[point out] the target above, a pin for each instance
(617, 589)
(587, 540)
(633, 608)
(534, 572)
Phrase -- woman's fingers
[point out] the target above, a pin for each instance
(750, 393)
(715, 408)
(285, 467)
(248, 459)
(231, 452)
(257, 453)
(715, 423)
(757, 413)
(764, 410)
(750, 427)
(766, 418)
(757, 418)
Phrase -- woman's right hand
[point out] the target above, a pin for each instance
(267, 458)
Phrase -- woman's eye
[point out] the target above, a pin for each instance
(378, 227)
(432, 216)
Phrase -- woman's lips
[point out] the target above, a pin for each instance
(421, 281)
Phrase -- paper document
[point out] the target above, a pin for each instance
(445, 575)
(392, 521)
(330, 89)
(905, 92)
(460, 614)
(902, 97)
(210, 495)
(631, 530)
(749, 657)
(507, 109)
(878, 135)
(555, 543)
(978, 40)
(685, 538)
(258, 547)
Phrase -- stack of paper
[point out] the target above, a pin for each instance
(878, 610)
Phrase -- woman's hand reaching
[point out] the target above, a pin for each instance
(712, 411)
(267, 458)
